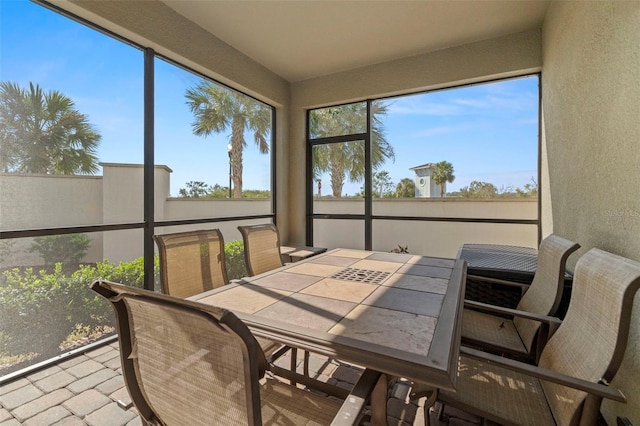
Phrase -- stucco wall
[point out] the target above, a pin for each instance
(123, 202)
(117, 197)
(591, 103)
(442, 239)
(41, 201)
(500, 57)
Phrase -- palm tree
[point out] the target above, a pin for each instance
(217, 109)
(44, 133)
(382, 184)
(406, 188)
(346, 160)
(442, 172)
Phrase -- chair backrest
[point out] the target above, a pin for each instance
(591, 341)
(185, 363)
(191, 262)
(544, 295)
(261, 248)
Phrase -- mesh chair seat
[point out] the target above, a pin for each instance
(483, 388)
(492, 330)
(281, 405)
(268, 346)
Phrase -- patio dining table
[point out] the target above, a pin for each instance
(399, 314)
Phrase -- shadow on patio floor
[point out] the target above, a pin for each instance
(89, 390)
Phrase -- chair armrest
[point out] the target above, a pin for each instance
(498, 281)
(355, 402)
(547, 375)
(551, 321)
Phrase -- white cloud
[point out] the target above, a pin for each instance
(414, 107)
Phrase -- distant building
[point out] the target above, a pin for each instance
(425, 187)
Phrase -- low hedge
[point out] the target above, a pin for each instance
(40, 309)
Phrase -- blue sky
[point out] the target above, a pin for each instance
(488, 132)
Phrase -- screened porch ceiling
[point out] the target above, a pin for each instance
(299, 40)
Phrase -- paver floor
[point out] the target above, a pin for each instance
(89, 390)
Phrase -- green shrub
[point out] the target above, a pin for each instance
(40, 309)
(234, 258)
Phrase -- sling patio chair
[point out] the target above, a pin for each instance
(261, 248)
(518, 332)
(262, 254)
(188, 363)
(580, 358)
(193, 262)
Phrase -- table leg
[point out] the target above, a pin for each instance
(294, 364)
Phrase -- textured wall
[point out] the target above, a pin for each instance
(39, 201)
(43, 201)
(591, 102)
(441, 239)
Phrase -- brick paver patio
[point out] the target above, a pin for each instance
(87, 389)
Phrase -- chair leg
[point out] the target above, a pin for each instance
(590, 410)
(427, 419)
(379, 401)
(305, 367)
(428, 403)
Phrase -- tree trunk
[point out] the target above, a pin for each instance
(337, 168)
(337, 179)
(237, 146)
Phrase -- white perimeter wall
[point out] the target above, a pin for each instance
(35, 201)
(433, 238)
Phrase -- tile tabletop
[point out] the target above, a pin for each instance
(397, 313)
